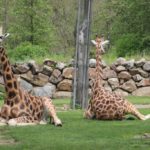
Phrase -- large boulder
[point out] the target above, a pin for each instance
(56, 76)
(47, 70)
(137, 77)
(92, 63)
(140, 63)
(135, 71)
(120, 61)
(37, 80)
(60, 65)
(129, 86)
(146, 66)
(120, 68)
(129, 64)
(124, 75)
(65, 85)
(121, 92)
(108, 73)
(21, 68)
(144, 91)
(144, 82)
(47, 90)
(25, 85)
(114, 83)
(68, 73)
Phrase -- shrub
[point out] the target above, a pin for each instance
(27, 51)
(128, 44)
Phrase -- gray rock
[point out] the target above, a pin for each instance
(37, 80)
(114, 83)
(65, 85)
(124, 75)
(146, 66)
(129, 64)
(60, 65)
(92, 63)
(22, 68)
(140, 63)
(137, 77)
(68, 73)
(120, 61)
(108, 73)
(35, 69)
(49, 62)
(47, 70)
(47, 90)
(121, 92)
(56, 77)
(143, 83)
(138, 71)
(25, 85)
(120, 68)
(144, 91)
(129, 86)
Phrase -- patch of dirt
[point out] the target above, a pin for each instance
(5, 141)
(144, 136)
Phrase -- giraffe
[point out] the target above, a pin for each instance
(106, 105)
(21, 108)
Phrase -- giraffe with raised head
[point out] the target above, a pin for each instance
(106, 105)
(20, 107)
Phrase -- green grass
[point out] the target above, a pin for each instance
(79, 133)
(139, 99)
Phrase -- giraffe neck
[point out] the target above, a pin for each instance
(98, 67)
(11, 85)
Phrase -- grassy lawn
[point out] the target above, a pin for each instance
(79, 133)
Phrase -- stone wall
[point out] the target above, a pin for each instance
(54, 79)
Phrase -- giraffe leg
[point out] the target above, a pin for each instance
(89, 114)
(134, 111)
(22, 121)
(50, 109)
(4, 113)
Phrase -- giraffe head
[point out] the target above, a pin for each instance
(3, 37)
(100, 43)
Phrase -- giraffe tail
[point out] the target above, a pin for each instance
(134, 111)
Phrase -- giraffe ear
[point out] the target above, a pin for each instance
(94, 42)
(104, 43)
(6, 35)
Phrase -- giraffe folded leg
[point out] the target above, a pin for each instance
(50, 109)
(22, 121)
(3, 121)
(134, 111)
(89, 114)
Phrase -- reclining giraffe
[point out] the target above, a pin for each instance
(106, 105)
(21, 108)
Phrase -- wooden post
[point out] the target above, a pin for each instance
(80, 82)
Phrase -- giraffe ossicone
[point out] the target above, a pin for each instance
(106, 105)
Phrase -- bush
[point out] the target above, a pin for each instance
(27, 51)
(128, 44)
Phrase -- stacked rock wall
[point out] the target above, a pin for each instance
(55, 79)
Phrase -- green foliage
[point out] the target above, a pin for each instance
(128, 44)
(26, 51)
